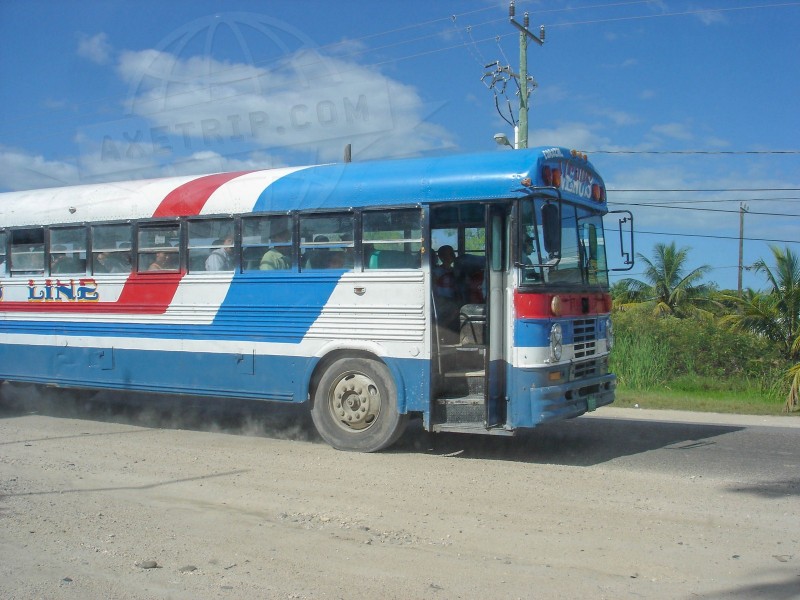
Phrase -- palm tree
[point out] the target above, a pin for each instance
(667, 285)
(776, 314)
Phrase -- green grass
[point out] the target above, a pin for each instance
(743, 403)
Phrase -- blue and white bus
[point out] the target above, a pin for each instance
(330, 284)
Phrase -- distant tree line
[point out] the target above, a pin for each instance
(691, 327)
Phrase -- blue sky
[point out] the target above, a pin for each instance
(694, 102)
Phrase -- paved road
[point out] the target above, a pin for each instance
(618, 504)
(734, 447)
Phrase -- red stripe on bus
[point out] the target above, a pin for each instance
(530, 305)
(190, 198)
(143, 293)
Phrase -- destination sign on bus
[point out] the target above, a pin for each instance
(572, 178)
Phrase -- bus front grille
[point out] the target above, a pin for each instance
(585, 332)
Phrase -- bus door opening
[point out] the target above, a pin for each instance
(466, 387)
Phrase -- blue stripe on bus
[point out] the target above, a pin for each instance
(275, 308)
(529, 333)
(461, 177)
(288, 305)
(278, 378)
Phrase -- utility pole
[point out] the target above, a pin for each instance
(524, 36)
(742, 209)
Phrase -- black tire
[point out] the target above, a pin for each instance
(355, 406)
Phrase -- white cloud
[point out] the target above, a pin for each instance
(709, 17)
(677, 131)
(22, 171)
(194, 113)
(580, 136)
(95, 48)
(305, 101)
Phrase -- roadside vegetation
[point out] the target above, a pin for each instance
(681, 343)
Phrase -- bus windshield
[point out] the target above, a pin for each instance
(561, 245)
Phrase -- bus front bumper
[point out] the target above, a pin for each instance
(564, 401)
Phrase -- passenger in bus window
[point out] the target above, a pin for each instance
(221, 259)
(62, 261)
(336, 260)
(318, 258)
(275, 259)
(444, 279)
(163, 261)
(112, 262)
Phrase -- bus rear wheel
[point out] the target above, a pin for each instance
(355, 406)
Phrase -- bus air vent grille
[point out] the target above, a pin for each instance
(585, 337)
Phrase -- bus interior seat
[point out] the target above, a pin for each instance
(392, 259)
(472, 324)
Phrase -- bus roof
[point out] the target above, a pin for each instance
(487, 176)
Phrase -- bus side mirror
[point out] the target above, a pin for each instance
(626, 250)
(551, 226)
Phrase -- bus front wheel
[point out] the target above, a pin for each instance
(355, 406)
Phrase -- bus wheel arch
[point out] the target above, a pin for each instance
(355, 402)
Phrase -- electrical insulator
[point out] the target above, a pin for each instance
(541, 32)
(526, 20)
(511, 9)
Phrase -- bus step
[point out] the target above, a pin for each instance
(479, 348)
(474, 428)
(469, 382)
(466, 409)
(465, 373)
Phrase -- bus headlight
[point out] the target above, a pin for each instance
(556, 342)
(609, 334)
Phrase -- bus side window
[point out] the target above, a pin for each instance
(27, 251)
(211, 245)
(111, 248)
(326, 242)
(159, 247)
(67, 250)
(267, 243)
(3, 268)
(392, 239)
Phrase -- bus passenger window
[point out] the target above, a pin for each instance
(159, 247)
(111, 248)
(27, 251)
(267, 243)
(211, 245)
(2, 253)
(326, 242)
(392, 239)
(68, 250)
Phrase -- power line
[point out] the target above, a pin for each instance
(716, 237)
(715, 210)
(701, 11)
(647, 202)
(696, 152)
